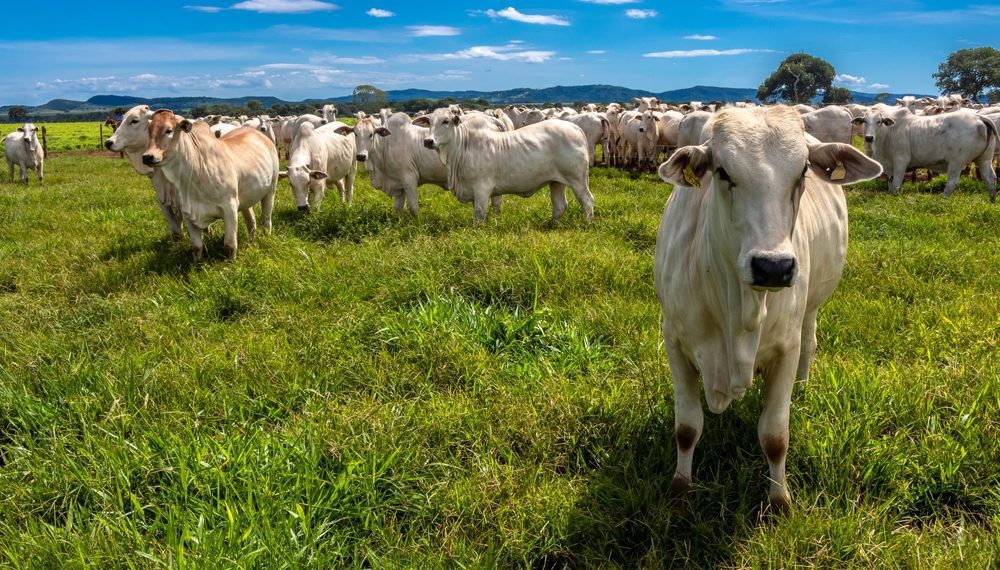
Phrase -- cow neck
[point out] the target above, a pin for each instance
(452, 155)
(135, 159)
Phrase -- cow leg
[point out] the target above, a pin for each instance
(266, 208)
(984, 165)
(557, 191)
(808, 345)
(10, 170)
(41, 168)
(397, 201)
(173, 221)
(251, 222)
(194, 232)
(229, 228)
(581, 190)
(772, 428)
(349, 185)
(954, 172)
(342, 190)
(496, 201)
(481, 203)
(689, 419)
(411, 199)
(896, 182)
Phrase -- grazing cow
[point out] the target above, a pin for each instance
(132, 138)
(22, 148)
(901, 140)
(829, 124)
(318, 158)
(597, 130)
(483, 163)
(215, 178)
(752, 241)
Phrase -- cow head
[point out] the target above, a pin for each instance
(874, 120)
(442, 124)
(132, 135)
(30, 138)
(755, 168)
(366, 134)
(165, 130)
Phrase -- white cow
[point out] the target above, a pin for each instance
(328, 112)
(483, 163)
(318, 158)
(690, 127)
(752, 241)
(215, 178)
(597, 130)
(829, 124)
(643, 104)
(222, 129)
(901, 140)
(132, 138)
(22, 148)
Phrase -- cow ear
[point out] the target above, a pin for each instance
(383, 132)
(888, 122)
(344, 130)
(422, 121)
(317, 175)
(841, 163)
(185, 125)
(282, 174)
(858, 120)
(21, 129)
(687, 166)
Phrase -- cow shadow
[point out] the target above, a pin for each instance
(626, 518)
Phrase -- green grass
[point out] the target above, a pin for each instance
(67, 136)
(361, 391)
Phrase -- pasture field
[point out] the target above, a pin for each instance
(357, 390)
(67, 136)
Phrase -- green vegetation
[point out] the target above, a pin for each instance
(971, 72)
(798, 78)
(67, 136)
(361, 391)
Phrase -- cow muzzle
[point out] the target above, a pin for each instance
(429, 143)
(362, 157)
(869, 138)
(772, 272)
(148, 159)
(108, 144)
(304, 208)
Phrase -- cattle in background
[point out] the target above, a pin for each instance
(690, 127)
(328, 112)
(320, 158)
(597, 129)
(829, 124)
(132, 138)
(483, 163)
(23, 148)
(901, 140)
(215, 178)
(752, 241)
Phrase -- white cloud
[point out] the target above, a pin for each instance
(640, 14)
(284, 6)
(380, 13)
(610, 2)
(540, 19)
(206, 9)
(878, 86)
(700, 37)
(426, 31)
(704, 52)
(845, 80)
(597, 51)
(509, 52)
(364, 60)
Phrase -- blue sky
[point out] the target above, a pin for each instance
(297, 49)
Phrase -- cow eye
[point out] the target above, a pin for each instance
(134, 122)
(445, 121)
(724, 176)
(169, 131)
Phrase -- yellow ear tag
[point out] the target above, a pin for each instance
(839, 172)
(689, 177)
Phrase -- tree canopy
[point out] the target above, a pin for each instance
(17, 114)
(797, 79)
(970, 72)
(368, 96)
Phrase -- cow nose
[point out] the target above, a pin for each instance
(362, 157)
(869, 138)
(107, 144)
(148, 160)
(429, 143)
(304, 208)
(771, 272)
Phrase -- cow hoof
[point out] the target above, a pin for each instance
(230, 252)
(197, 251)
(176, 238)
(781, 505)
(679, 488)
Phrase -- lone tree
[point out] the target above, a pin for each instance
(254, 106)
(837, 96)
(368, 96)
(17, 114)
(797, 80)
(969, 72)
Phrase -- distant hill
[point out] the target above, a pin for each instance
(66, 109)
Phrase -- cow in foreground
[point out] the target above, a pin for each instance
(483, 163)
(901, 140)
(215, 178)
(752, 241)
(22, 148)
(132, 138)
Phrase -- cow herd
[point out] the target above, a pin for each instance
(752, 241)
